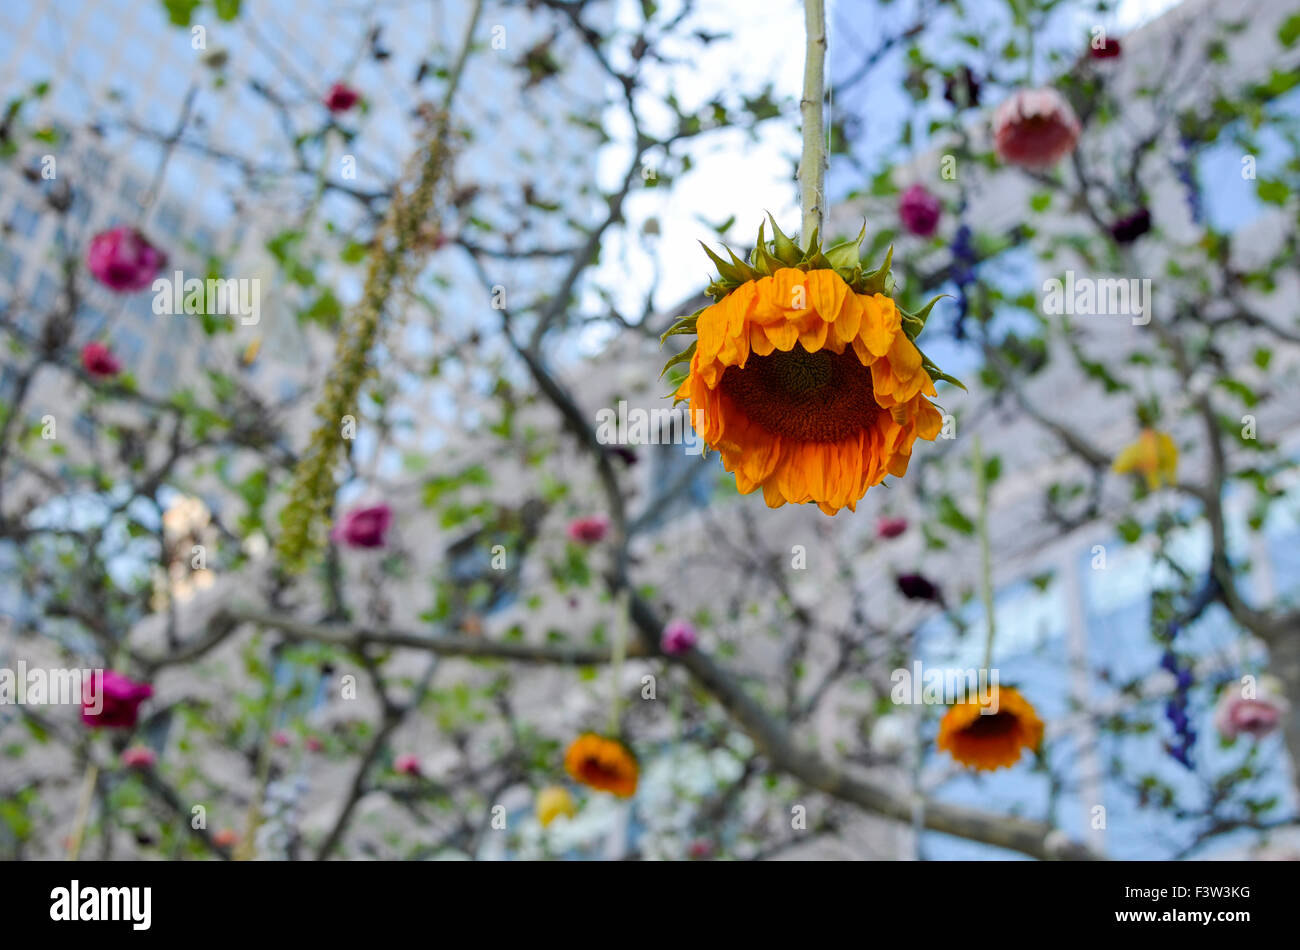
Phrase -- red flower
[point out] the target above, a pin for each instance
(919, 211)
(1108, 49)
(341, 98)
(407, 765)
(364, 527)
(589, 530)
(98, 360)
(123, 260)
(1035, 128)
(116, 704)
(678, 637)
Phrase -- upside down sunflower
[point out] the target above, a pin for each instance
(604, 764)
(804, 374)
(989, 741)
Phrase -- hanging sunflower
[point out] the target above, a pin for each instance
(989, 741)
(804, 374)
(604, 764)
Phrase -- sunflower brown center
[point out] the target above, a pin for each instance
(594, 770)
(810, 397)
(993, 726)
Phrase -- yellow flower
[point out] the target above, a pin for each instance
(806, 378)
(1154, 455)
(988, 741)
(552, 802)
(604, 764)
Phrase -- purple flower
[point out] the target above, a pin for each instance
(123, 260)
(1129, 228)
(918, 587)
(919, 211)
(364, 527)
(679, 637)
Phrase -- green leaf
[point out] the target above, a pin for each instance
(227, 9)
(1289, 31)
(180, 11)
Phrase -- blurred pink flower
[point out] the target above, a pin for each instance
(364, 527)
(313, 744)
(98, 360)
(919, 211)
(678, 638)
(341, 98)
(139, 757)
(123, 260)
(588, 530)
(1035, 128)
(700, 849)
(407, 765)
(280, 739)
(890, 527)
(1235, 715)
(121, 697)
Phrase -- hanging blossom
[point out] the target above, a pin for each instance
(805, 374)
(1035, 128)
(987, 741)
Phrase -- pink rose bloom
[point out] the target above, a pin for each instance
(1035, 128)
(1257, 717)
(364, 527)
(123, 260)
(589, 530)
(919, 211)
(138, 757)
(407, 765)
(678, 637)
(121, 697)
(281, 739)
(890, 527)
(341, 98)
(98, 360)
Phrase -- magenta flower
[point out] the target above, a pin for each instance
(280, 739)
(364, 527)
(700, 849)
(890, 527)
(678, 637)
(588, 530)
(919, 211)
(407, 765)
(116, 705)
(1035, 128)
(341, 98)
(313, 744)
(139, 757)
(98, 360)
(1257, 717)
(123, 260)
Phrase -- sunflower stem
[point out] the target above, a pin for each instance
(812, 165)
(986, 558)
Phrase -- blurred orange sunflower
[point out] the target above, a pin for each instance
(604, 764)
(989, 741)
(1154, 455)
(804, 374)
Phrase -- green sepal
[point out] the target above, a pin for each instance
(785, 250)
(684, 325)
(683, 357)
